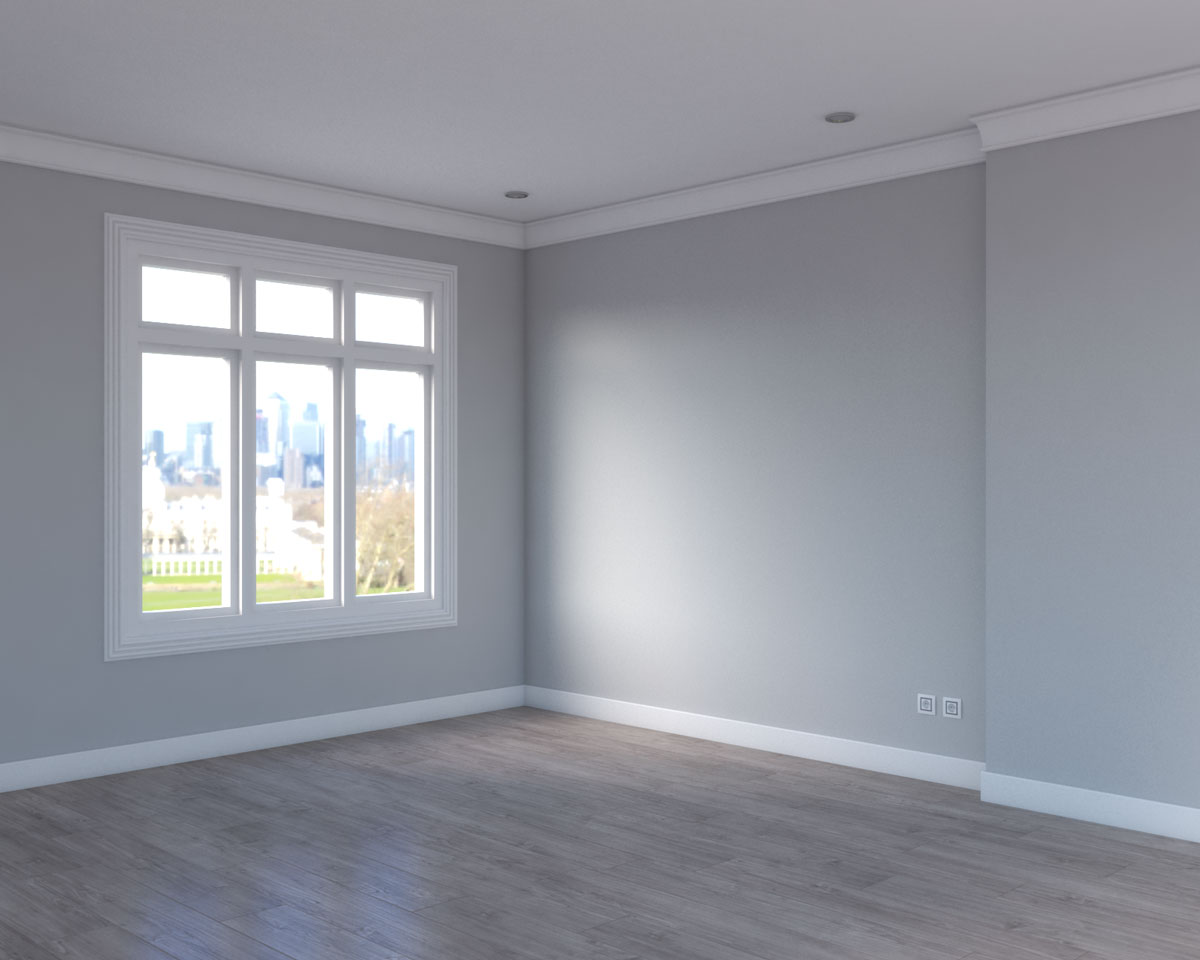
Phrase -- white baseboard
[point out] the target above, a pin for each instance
(1115, 810)
(40, 771)
(1110, 809)
(794, 743)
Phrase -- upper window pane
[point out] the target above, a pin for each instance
(386, 318)
(190, 298)
(185, 482)
(297, 309)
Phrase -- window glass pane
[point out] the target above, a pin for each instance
(292, 417)
(299, 309)
(191, 298)
(389, 481)
(185, 482)
(385, 318)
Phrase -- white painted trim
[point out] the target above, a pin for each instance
(820, 176)
(1110, 809)
(212, 180)
(90, 158)
(1111, 106)
(794, 743)
(41, 771)
(93, 159)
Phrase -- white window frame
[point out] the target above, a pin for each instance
(130, 242)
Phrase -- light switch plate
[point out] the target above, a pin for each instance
(952, 707)
(927, 704)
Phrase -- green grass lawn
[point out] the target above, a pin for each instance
(189, 593)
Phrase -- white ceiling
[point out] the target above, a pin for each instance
(581, 102)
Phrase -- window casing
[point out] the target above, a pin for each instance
(193, 560)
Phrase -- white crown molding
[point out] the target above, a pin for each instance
(1109, 809)
(820, 176)
(1112, 106)
(1098, 109)
(932, 767)
(40, 771)
(211, 180)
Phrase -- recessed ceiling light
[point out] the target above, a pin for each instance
(840, 116)
(516, 194)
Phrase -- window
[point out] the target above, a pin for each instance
(280, 441)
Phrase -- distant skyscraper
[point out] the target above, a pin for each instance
(199, 450)
(154, 445)
(306, 437)
(360, 448)
(310, 413)
(262, 439)
(306, 457)
(278, 415)
(408, 454)
(399, 453)
(294, 469)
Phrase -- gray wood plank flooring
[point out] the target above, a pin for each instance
(527, 835)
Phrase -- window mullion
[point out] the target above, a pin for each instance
(334, 580)
(248, 480)
(185, 338)
(234, 511)
(385, 354)
(130, 493)
(428, 496)
(248, 484)
(349, 447)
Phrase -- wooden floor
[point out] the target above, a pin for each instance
(525, 834)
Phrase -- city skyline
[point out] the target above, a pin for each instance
(182, 396)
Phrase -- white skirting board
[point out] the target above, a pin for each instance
(795, 743)
(19, 774)
(1130, 813)
(1110, 809)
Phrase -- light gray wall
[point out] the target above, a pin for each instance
(1093, 453)
(756, 463)
(56, 693)
(755, 469)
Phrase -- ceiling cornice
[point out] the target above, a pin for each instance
(805, 179)
(1098, 109)
(1113, 106)
(171, 173)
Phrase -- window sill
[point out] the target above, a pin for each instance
(219, 633)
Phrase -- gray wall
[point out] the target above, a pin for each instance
(1093, 446)
(56, 693)
(755, 469)
(756, 463)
